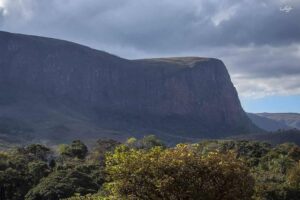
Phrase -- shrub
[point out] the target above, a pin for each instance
(177, 173)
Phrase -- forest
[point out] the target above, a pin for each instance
(148, 169)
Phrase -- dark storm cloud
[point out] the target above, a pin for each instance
(260, 23)
(163, 25)
(257, 39)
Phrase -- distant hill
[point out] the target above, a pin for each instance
(282, 127)
(268, 124)
(289, 119)
(60, 90)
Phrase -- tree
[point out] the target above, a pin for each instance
(146, 142)
(37, 171)
(62, 184)
(177, 173)
(14, 183)
(38, 151)
(101, 148)
(151, 141)
(21, 169)
(294, 177)
(76, 149)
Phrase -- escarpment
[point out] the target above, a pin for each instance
(185, 97)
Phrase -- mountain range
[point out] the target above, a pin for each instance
(276, 121)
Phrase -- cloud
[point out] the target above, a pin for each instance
(158, 25)
(286, 8)
(258, 39)
(3, 11)
(265, 70)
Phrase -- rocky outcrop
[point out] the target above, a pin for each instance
(188, 96)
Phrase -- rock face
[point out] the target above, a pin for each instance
(190, 96)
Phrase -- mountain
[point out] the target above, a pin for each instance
(59, 90)
(282, 127)
(266, 123)
(291, 120)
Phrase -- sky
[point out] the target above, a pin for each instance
(258, 40)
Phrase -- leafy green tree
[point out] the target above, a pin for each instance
(76, 149)
(146, 169)
(151, 141)
(37, 170)
(146, 142)
(132, 142)
(14, 183)
(21, 169)
(101, 148)
(250, 151)
(62, 184)
(38, 151)
(177, 173)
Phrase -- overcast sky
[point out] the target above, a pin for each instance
(258, 40)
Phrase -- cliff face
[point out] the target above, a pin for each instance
(192, 96)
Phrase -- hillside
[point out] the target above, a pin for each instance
(62, 90)
(290, 119)
(268, 124)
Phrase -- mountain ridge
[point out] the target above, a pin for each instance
(290, 119)
(267, 123)
(275, 121)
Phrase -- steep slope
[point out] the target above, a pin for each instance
(267, 123)
(174, 97)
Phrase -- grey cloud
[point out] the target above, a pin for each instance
(164, 25)
(264, 61)
(261, 71)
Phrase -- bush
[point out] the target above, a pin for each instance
(177, 173)
(62, 184)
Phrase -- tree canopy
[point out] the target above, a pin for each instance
(177, 173)
(145, 168)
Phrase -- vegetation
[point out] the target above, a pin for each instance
(177, 173)
(147, 169)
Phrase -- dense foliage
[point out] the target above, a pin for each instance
(147, 169)
(177, 173)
